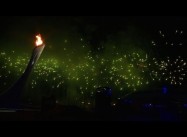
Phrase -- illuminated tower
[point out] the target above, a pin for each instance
(11, 98)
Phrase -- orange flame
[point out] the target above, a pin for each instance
(39, 41)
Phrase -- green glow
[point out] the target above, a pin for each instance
(79, 70)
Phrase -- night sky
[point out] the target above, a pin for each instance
(96, 28)
(82, 53)
(94, 25)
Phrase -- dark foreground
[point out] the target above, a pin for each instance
(76, 114)
(141, 106)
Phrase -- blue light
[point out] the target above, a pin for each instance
(185, 105)
(164, 90)
(109, 93)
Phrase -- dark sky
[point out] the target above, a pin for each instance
(104, 22)
(17, 28)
